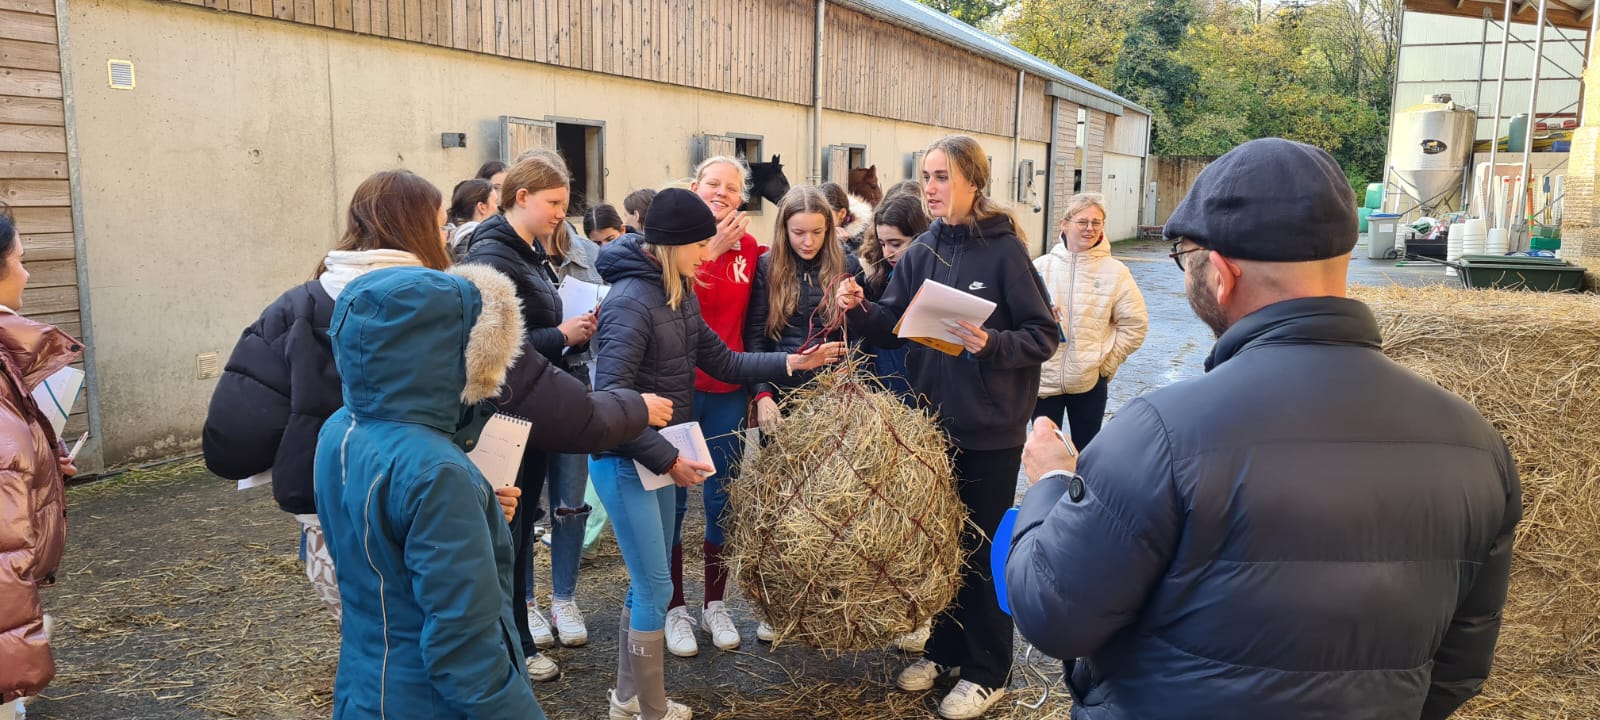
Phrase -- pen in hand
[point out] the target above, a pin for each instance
(1072, 451)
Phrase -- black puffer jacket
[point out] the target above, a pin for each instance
(1307, 531)
(645, 345)
(984, 399)
(803, 321)
(278, 388)
(496, 244)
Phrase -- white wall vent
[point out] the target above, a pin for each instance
(207, 366)
(121, 72)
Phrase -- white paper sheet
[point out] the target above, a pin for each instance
(690, 441)
(936, 307)
(57, 394)
(498, 454)
(579, 297)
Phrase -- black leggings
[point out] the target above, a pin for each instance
(530, 477)
(974, 634)
(1085, 412)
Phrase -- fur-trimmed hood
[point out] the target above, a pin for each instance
(860, 218)
(413, 344)
(496, 340)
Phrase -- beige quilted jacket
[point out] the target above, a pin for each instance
(1101, 312)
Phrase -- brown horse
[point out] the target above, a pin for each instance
(864, 184)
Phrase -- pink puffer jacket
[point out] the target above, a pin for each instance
(33, 520)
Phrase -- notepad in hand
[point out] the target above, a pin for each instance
(57, 394)
(690, 441)
(500, 447)
(579, 297)
(934, 309)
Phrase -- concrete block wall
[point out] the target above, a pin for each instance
(1580, 221)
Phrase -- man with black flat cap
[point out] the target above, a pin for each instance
(1308, 529)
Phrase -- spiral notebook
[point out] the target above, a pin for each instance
(498, 454)
(690, 441)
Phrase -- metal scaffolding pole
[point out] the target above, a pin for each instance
(1525, 208)
(1499, 100)
(1477, 100)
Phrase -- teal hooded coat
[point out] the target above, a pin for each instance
(421, 546)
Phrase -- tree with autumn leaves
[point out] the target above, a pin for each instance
(1216, 73)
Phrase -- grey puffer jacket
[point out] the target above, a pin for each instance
(644, 344)
(1307, 531)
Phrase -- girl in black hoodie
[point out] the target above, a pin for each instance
(983, 396)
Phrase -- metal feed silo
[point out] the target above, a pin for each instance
(1429, 149)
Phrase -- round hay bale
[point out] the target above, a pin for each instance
(845, 524)
(1530, 362)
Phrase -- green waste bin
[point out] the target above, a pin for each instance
(1520, 273)
(1374, 196)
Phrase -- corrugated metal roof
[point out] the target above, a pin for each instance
(921, 18)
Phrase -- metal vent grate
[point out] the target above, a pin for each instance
(207, 366)
(121, 72)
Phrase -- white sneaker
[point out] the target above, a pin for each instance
(622, 710)
(920, 675)
(630, 710)
(569, 623)
(969, 700)
(539, 628)
(765, 632)
(542, 669)
(719, 625)
(680, 633)
(675, 711)
(913, 642)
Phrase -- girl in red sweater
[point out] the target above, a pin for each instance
(723, 285)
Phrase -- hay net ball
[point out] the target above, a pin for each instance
(845, 525)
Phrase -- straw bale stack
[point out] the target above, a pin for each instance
(845, 524)
(1530, 362)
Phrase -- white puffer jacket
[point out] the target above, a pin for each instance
(1102, 317)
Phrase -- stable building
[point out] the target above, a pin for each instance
(174, 166)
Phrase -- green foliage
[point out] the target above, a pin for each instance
(971, 12)
(1086, 46)
(1216, 73)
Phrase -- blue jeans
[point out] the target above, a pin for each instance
(566, 478)
(721, 417)
(642, 521)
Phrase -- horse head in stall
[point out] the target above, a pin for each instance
(768, 181)
(864, 185)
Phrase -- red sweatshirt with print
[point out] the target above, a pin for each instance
(724, 292)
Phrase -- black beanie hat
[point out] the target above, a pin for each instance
(1271, 199)
(678, 217)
